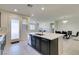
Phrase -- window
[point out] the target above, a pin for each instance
(32, 26)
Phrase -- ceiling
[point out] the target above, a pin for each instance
(51, 12)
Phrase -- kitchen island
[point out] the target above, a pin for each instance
(47, 43)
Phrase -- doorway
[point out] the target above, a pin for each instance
(15, 32)
(24, 29)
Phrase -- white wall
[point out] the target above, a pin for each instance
(5, 21)
(45, 25)
(72, 25)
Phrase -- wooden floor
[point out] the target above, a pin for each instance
(70, 47)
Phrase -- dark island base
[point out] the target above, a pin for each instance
(44, 46)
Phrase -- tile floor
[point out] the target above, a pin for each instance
(21, 48)
(70, 47)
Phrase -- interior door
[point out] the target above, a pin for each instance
(15, 32)
(24, 29)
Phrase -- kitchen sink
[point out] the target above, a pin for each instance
(39, 34)
(0, 35)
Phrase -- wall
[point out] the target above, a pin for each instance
(44, 26)
(5, 21)
(72, 25)
(41, 24)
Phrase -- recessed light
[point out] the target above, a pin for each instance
(15, 10)
(42, 8)
(64, 21)
(32, 14)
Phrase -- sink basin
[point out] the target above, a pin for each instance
(0, 35)
(39, 34)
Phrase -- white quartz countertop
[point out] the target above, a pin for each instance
(47, 35)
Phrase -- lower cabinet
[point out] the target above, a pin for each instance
(2, 45)
(45, 46)
(33, 41)
(54, 47)
(38, 43)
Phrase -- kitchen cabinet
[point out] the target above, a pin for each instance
(33, 41)
(45, 46)
(38, 42)
(2, 44)
(53, 47)
(47, 43)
